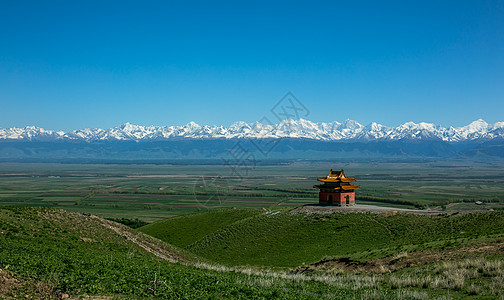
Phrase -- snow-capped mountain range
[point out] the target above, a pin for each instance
(349, 130)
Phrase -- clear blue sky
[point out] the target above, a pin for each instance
(75, 64)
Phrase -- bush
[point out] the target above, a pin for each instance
(133, 223)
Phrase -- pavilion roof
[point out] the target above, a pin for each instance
(336, 176)
(337, 188)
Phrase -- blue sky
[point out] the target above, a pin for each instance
(75, 64)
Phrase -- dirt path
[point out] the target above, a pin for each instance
(361, 208)
(142, 241)
(381, 224)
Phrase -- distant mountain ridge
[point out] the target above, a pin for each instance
(290, 139)
(349, 130)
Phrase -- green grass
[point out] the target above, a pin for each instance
(187, 229)
(60, 252)
(51, 252)
(282, 239)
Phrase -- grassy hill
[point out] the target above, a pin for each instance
(187, 229)
(284, 239)
(46, 253)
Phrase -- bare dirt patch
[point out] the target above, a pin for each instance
(404, 260)
(7, 284)
(13, 288)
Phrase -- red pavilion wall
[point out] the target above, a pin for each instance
(344, 195)
(338, 198)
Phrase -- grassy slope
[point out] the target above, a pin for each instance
(187, 229)
(47, 252)
(282, 239)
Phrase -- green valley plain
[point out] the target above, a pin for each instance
(199, 231)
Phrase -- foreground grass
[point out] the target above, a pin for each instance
(45, 253)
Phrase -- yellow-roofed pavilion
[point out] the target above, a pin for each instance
(337, 189)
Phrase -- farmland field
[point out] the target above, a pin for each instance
(153, 192)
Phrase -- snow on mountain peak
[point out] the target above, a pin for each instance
(427, 126)
(477, 125)
(301, 128)
(351, 124)
(193, 125)
(373, 126)
(498, 125)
